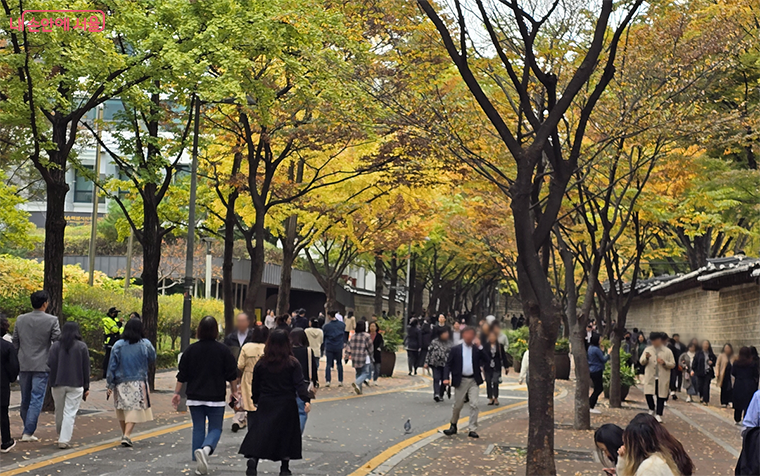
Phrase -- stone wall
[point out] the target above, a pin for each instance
(729, 315)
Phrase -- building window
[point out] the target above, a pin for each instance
(83, 187)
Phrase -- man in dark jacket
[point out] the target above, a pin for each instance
(235, 340)
(301, 321)
(462, 371)
(676, 375)
(333, 334)
(8, 373)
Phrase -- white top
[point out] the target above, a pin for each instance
(242, 337)
(339, 316)
(269, 322)
(467, 370)
(202, 403)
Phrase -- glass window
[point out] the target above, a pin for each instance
(83, 187)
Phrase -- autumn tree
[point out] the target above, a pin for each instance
(49, 97)
(551, 101)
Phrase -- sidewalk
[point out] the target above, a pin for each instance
(711, 439)
(96, 423)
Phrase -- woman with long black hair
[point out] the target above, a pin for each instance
(745, 373)
(69, 362)
(275, 433)
(649, 449)
(608, 439)
(127, 378)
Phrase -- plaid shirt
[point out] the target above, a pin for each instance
(359, 347)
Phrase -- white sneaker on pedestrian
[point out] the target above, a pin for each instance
(357, 389)
(658, 418)
(327, 384)
(688, 399)
(63, 446)
(651, 412)
(28, 438)
(340, 384)
(595, 411)
(200, 459)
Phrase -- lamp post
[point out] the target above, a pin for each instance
(94, 219)
(406, 294)
(187, 305)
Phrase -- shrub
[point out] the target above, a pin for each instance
(562, 345)
(167, 359)
(518, 341)
(90, 324)
(170, 314)
(392, 330)
(102, 298)
(627, 374)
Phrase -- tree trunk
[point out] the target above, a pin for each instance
(230, 220)
(379, 281)
(331, 300)
(543, 315)
(228, 294)
(55, 226)
(615, 397)
(394, 284)
(286, 273)
(256, 251)
(151, 244)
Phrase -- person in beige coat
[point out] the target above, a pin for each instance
(657, 361)
(250, 353)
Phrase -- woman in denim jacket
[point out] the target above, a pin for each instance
(127, 378)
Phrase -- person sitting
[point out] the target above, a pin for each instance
(608, 439)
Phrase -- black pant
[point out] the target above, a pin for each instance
(704, 388)
(412, 356)
(437, 381)
(106, 358)
(5, 424)
(660, 407)
(676, 377)
(598, 382)
(421, 358)
(492, 382)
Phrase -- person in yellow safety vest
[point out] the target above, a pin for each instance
(112, 331)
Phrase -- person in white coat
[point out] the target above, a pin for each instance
(524, 368)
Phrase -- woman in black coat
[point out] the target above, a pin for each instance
(745, 374)
(275, 433)
(703, 369)
(413, 345)
(426, 337)
(497, 361)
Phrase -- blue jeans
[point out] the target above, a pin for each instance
(333, 356)
(302, 415)
(33, 387)
(215, 417)
(375, 372)
(363, 374)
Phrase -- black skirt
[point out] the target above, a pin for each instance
(274, 432)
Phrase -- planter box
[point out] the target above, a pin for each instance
(562, 365)
(387, 364)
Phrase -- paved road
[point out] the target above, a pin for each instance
(340, 436)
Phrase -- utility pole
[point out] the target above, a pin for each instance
(187, 307)
(406, 294)
(94, 220)
(209, 262)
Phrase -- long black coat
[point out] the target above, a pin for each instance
(701, 367)
(745, 383)
(275, 432)
(8, 370)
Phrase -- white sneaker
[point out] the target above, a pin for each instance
(688, 399)
(595, 411)
(28, 438)
(327, 384)
(200, 459)
(340, 384)
(651, 412)
(658, 418)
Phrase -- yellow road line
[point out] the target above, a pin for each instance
(372, 464)
(163, 431)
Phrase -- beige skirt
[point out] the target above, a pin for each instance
(132, 402)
